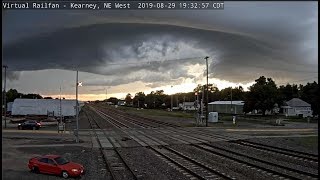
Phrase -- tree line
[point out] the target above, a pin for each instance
(13, 94)
(263, 95)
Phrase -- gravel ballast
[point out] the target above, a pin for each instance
(146, 165)
(225, 165)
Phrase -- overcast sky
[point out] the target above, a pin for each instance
(131, 51)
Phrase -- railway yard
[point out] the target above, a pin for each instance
(120, 145)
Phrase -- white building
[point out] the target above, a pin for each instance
(43, 106)
(297, 107)
(121, 103)
(228, 107)
(9, 106)
(187, 106)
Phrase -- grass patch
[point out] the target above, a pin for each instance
(302, 120)
(157, 112)
(309, 141)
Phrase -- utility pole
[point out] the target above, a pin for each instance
(171, 99)
(107, 93)
(60, 108)
(178, 102)
(77, 110)
(202, 105)
(5, 95)
(207, 101)
(231, 100)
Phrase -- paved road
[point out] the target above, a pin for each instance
(35, 134)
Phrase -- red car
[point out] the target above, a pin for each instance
(54, 164)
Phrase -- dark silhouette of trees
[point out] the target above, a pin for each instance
(128, 99)
(310, 94)
(139, 100)
(262, 95)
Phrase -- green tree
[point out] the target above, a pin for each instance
(139, 99)
(262, 96)
(235, 94)
(212, 88)
(309, 93)
(150, 100)
(114, 100)
(128, 98)
(12, 94)
(213, 92)
(31, 96)
(288, 92)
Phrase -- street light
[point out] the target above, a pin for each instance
(77, 108)
(106, 88)
(5, 95)
(207, 99)
(171, 98)
(231, 102)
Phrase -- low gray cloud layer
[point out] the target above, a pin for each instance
(243, 41)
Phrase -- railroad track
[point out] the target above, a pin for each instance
(115, 163)
(293, 173)
(303, 156)
(193, 167)
(131, 120)
(112, 121)
(283, 171)
(137, 118)
(128, 120)
(287, 152)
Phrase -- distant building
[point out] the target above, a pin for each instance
(297, 107)
(187, 106)
(9, 106)
(121, 103)
(228, 107)
(44, 107)
(109, 103)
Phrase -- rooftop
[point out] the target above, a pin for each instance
(228, 102)
(296, 102)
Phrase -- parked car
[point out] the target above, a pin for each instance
(55, 164)
(30, 124)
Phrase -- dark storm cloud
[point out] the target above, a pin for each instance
(12, 75)
(243, 41)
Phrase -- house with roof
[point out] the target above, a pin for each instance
(297, 107)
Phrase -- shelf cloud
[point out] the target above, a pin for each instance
(243, 41)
